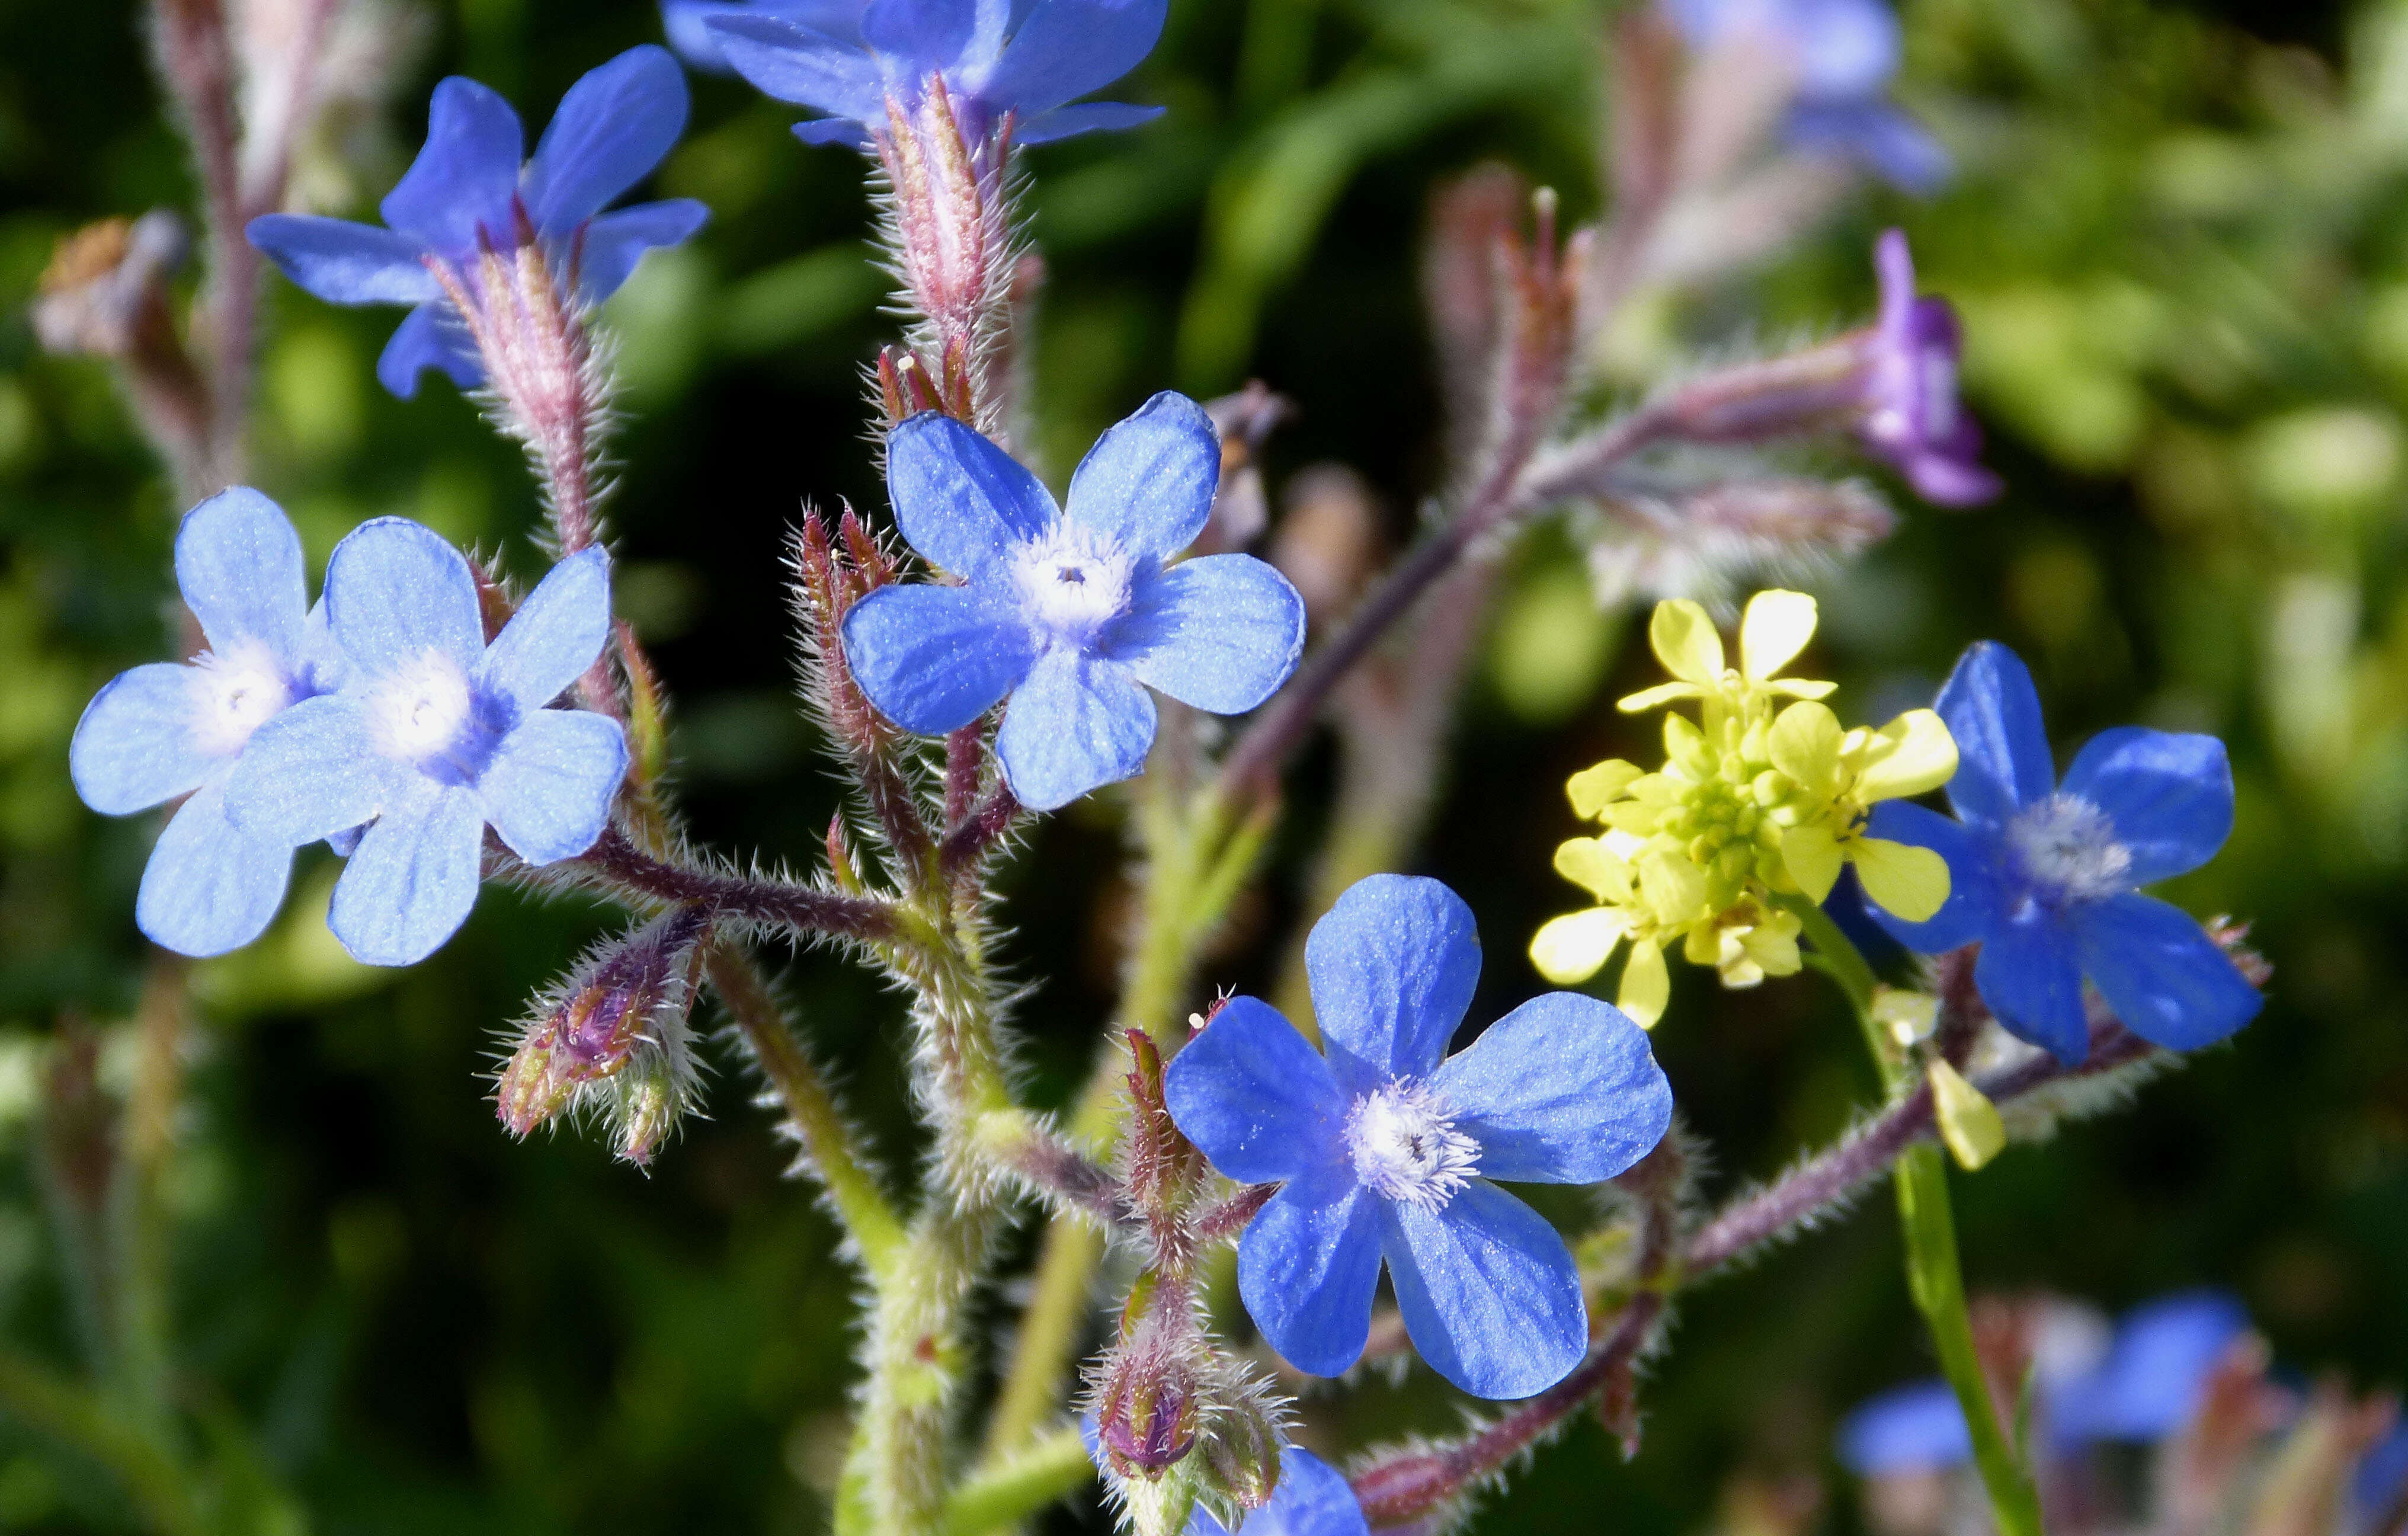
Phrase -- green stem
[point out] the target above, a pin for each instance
(1048, 1469)
(1933, 1275)
(43, 1400)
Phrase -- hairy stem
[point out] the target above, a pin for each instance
(800, 909)
(1018, 1488)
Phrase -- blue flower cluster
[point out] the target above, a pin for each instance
(1072, 613)
(467, 194)
(1024, 61)
(1385, 1146)
(1843, 54)
(382, 722)
(2044, 874)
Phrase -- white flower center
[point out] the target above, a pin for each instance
(2067, 847)
(1405, 1146)
(423, 710)
(234, 692)
(1072, 581)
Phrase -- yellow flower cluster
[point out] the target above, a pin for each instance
(1763, 797)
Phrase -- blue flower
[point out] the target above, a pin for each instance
(1312, 1499)
(2044, 875)
(1912, 1428)
(165, 730)
(1845, 53)
(1074, 615)
(2381, 1481)
(435, 735)
(1386, 1145)
(1025, 60)
(467, 194)
(687, 23)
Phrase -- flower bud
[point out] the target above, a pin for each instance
(1241, 1451)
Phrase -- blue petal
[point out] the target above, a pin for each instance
(847, 132)
(413, 879)
(135, 747)
(1221, 632)
(1562, 1090)
(959, 499)
(607, 252)
(2002, 758)
(428, 337)
(2381, 1478)
(1088, 118)
(2162, 973)
(342, 261)
(313, 771)
(1075, 724)
(1878, 135)
(1254, 1097)
(1067, 48)
(1972, 909)
(1392, 964)
(923, 37)
(1312, 1499)
(1909, 1429)
(1307, 1266)
(396, 590)
(238, 564)
(1148, 483)
(614, 125)
(555, 636)
(2155, 1377)
(210, 888)
(463, 181)
(2026, 974)
(1846, 47)
(1490, 1295)
(935, 659)
(688, 23)
(797, 65)
(2169, 796)
(548, 787)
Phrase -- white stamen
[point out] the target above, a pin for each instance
(424, 710)
(1074, 582)
(2066, 846)
(1405, 1145)
(236, 692)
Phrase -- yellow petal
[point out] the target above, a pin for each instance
(1646, 984)
(1804, 743)
(1632, 818)
(1703, 945)
(1909, 881)
(1814, 859)
(1776, 628)
(1586, 862)
(1686, 642)
(1673, 888)
(1913, 754)
(1570, 949)
(1969, 1122)
(1907, 1016)
(1663, 693)
(1800, 688)
(1591, 787)
(1774, 945)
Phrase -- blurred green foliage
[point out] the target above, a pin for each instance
(2181, 251)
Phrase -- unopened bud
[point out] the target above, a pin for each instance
(1245, 421)
(1159, 1506)
(1241, 1454)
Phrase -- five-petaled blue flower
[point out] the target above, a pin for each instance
(1912, 416)
(434, 735)
(2043, 874)
(1021, 59)
(1843, 53)
(467, 194)
(165, 730)
(1385, 1146)
(1074, 614)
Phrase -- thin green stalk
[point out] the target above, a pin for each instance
(1048, 1469)
(1933, 1273)
(42, 1399)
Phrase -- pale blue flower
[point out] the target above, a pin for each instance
(163, 731)
(436, 735)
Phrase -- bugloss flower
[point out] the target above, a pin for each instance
(1024, 61)
(1842, 54)
(1312, 1499)
(1073, 614)
(466, 198)
(165, 730)
(434, 735)
(2047, 874)
(1385, 1146)
(1910, 413)
(1760, 798)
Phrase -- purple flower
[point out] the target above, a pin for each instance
(467, 194)
(2044, 875)
(1845, 53)
(162, 731)
(435, 735)
(1312, 1499)
(1025, 61)
(1074, 615)
(1386, 1145)
(1912, 416)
